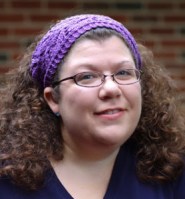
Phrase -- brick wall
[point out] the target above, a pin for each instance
(159, 24)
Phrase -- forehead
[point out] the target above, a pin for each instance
(91, 47)
(97, 34)
(108, 52)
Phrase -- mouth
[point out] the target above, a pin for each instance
(109, 112)
(112, 111)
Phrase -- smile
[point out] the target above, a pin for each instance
(110, 112)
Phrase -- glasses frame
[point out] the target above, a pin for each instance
(138, 74)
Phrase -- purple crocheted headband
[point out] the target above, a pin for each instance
(57, 41)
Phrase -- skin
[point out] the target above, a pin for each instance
(96, 121)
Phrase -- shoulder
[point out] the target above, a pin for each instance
(9, 190)
(179, 187)
(50, 189)
(174, 189)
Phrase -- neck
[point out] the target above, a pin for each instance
(90, 149)
(95, 160)
(85, 177)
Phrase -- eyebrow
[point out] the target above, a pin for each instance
(127, 63)
(93, 66)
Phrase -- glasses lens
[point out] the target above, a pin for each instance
(88, 79)
(93, 79)
(127, 76)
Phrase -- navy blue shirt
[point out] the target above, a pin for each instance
(123, 184)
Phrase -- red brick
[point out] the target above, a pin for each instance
(177, 66)
(43, 18)
(3, 31)
(149, 44)
(16, 55)
(120, 18)
(162, 55)
(176, 18)
(61, 5)
(135, 31)
(176, 43)
(9, 45)
(147, 18)
(26, 31)
(181, 89)
(1, 4)
(95, 5)
(4, 70)
(160, 6)
(11, 18)
(182, 5)
(177, 77)
(182, 77)
(161, 31)
(25, 4)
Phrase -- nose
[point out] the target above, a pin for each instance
(109, 89)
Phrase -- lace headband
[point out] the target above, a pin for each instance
(57, 41)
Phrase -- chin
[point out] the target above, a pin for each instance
(116, 141)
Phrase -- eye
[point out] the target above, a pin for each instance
(124, 72)
(86, 77)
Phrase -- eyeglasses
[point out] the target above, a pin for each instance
(95, 79)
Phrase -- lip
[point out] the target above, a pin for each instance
(110, 113)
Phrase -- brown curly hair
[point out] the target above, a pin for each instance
(28, 140)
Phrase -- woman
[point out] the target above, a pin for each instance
(90, 115)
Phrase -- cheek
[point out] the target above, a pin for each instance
(77, 98)
(133, 95)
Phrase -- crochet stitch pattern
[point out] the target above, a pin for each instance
(58, 40)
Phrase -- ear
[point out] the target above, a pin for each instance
(50, 97)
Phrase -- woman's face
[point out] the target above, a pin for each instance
(106, 115)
